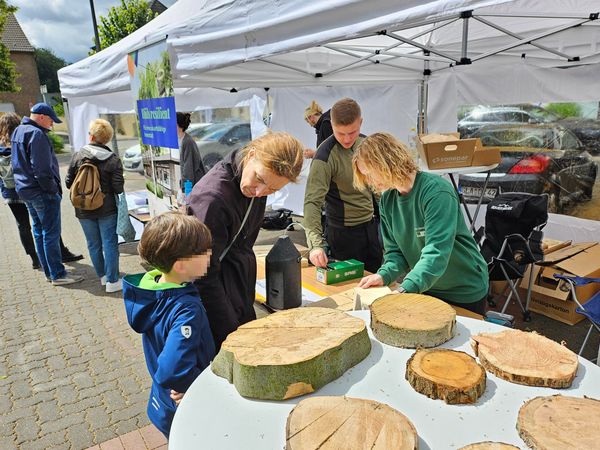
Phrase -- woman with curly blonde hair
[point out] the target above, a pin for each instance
(230, 199)
(425, 236)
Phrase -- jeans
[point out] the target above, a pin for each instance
(44, 210)
(103, 245)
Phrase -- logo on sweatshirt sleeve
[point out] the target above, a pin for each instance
(186, 331)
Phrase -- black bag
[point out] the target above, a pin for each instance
(277, 219)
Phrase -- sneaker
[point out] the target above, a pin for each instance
(114, 287)
(67, 256)
(35, 263)
(67, 279)
(103, 280)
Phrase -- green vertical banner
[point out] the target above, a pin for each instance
(152, 88)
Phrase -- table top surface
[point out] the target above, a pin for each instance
(213, 414)
(456, 170)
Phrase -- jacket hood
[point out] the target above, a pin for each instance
(144, 305)
(96, 151)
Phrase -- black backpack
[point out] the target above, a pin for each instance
(277, 219)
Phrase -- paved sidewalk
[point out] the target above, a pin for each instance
(72, 373)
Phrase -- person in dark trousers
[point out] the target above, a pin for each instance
(230, 199)
(321, 121)
(192, 168)
(8, 123)
(37, 182)
(425, 236)
(100, 225)
(352, 228)
(165, 308)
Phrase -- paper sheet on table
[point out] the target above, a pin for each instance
(308, 296)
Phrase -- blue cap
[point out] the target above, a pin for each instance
(45, 109)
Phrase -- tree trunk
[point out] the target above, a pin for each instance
(412, 320)
(526, 358)
(560, 422)
(348, 423)
(489, 446)
(449, 375)
(291, 352)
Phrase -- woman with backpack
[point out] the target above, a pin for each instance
(100, 223)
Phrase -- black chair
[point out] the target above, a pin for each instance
(512, 241)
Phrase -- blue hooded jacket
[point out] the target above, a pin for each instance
(35, 166)
(177, 341)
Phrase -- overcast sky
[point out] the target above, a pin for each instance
(63, 26)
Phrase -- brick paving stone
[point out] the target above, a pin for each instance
(7, 443)
(152, 437)
(26, 429)
(61, 424)
(97, 415)
(103, 435)
(133, 441)
(79, 436)
(113, 444)
(48, 411)
(47, 441)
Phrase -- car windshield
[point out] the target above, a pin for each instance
(537, 138)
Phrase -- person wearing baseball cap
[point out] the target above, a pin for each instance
(37, 182)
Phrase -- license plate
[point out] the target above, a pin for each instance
(476, 192)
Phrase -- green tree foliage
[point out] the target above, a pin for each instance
(8, 72)
(123, 20)
(47, 65)
(564, 110)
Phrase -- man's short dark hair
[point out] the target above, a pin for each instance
(345, 112)
(172, 236)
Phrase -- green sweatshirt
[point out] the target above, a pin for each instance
(330, 182)
(425, 237)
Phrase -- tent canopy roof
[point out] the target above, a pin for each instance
(261, 43)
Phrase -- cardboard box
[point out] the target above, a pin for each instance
(552, 297)
(339, 271)
(453, 152)
(485, 156)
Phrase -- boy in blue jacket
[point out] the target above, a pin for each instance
(165, 307)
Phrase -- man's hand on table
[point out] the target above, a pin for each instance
(318, 257)
(371, 281)
(176, 396)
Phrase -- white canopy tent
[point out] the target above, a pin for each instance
(423, 57)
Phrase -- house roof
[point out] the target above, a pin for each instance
(157, 7)
(13, 36)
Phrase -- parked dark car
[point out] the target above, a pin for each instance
(541, 158)
(482, 116)
(221, 138)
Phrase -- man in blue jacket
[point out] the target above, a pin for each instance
(37, 181)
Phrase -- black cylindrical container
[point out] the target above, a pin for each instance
(284, 280)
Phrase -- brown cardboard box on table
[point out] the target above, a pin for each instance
(552, 297)
(445, 151)
(485, 156)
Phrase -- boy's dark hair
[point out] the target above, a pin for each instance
(184, 120)
(345, 112)
(172, 236)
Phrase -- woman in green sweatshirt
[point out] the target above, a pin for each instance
(424, 232)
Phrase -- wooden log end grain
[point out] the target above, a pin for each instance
(560, 422)
(412, 320)
(449, 375)
(526, 358)
(489, 446)
(292, 352)
(328, 423)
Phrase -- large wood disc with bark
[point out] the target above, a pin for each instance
(412, 320)
(560, 422)
(452, 376)
(489, 446)
(331, 423)
(526, 358)
(292, 352)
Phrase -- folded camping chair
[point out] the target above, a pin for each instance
(591, 308)
(512, 241)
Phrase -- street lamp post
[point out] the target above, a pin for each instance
(98, 48)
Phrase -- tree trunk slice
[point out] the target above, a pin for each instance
(331, 423)
(489, 446)
(560, 422)
(292, 352)
(449, 375)
(412, 320)
(526, 358)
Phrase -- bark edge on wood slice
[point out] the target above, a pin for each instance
(348, 423)
(526, 358)
(449, 375)
(488, 445)
(291, 352)
(559, 422)
(412, 320)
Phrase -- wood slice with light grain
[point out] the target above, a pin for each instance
(412, 320)
(526, 358)
(449, 375)
(332, 423)
(291, 352)
(560, 422)
(489, 446)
